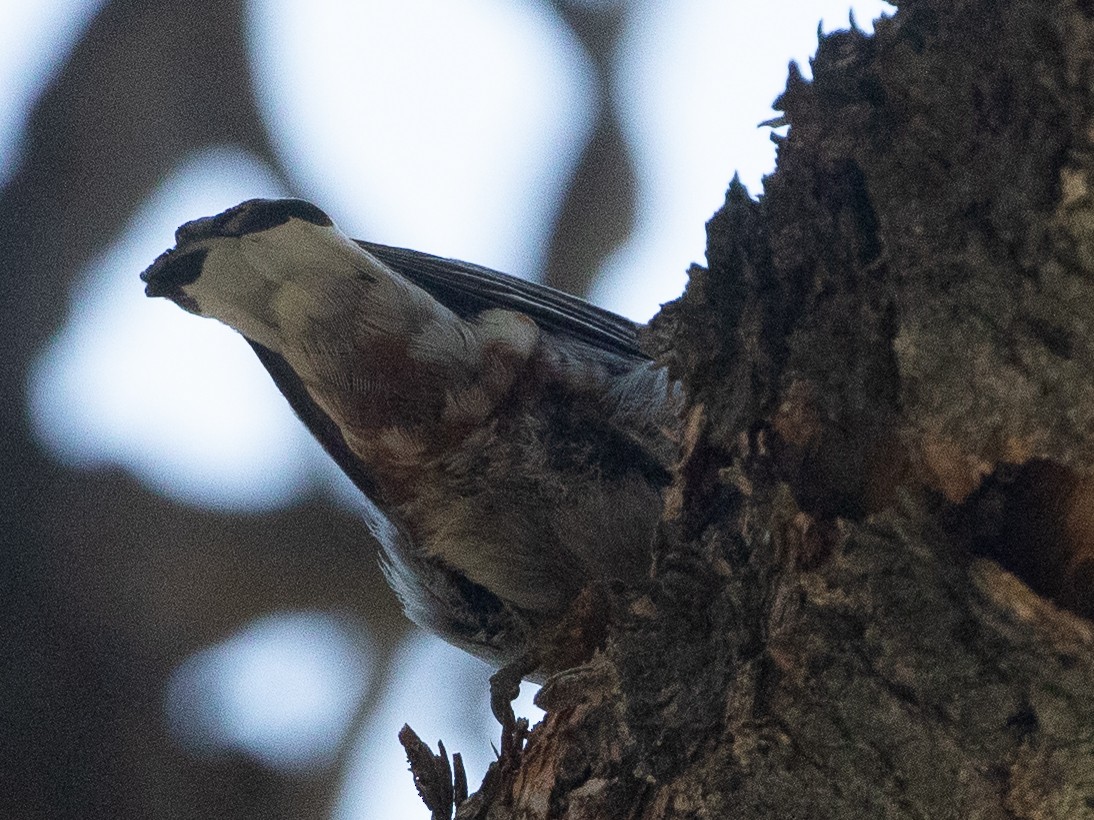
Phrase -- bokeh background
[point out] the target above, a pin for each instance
(194, 624)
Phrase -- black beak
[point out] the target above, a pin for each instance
(171, 270)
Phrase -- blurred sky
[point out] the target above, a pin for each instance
(462, 146)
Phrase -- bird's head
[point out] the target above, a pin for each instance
(231, 266)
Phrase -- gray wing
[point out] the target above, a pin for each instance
(468, 289)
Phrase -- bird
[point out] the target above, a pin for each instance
(516, 440)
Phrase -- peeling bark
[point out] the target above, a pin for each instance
(889, 360)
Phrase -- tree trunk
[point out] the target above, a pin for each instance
(889, 361)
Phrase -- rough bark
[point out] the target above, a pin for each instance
(889, 360)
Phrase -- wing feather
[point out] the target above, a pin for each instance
(468, 289)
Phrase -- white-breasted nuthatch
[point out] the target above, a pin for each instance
(517, 437)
